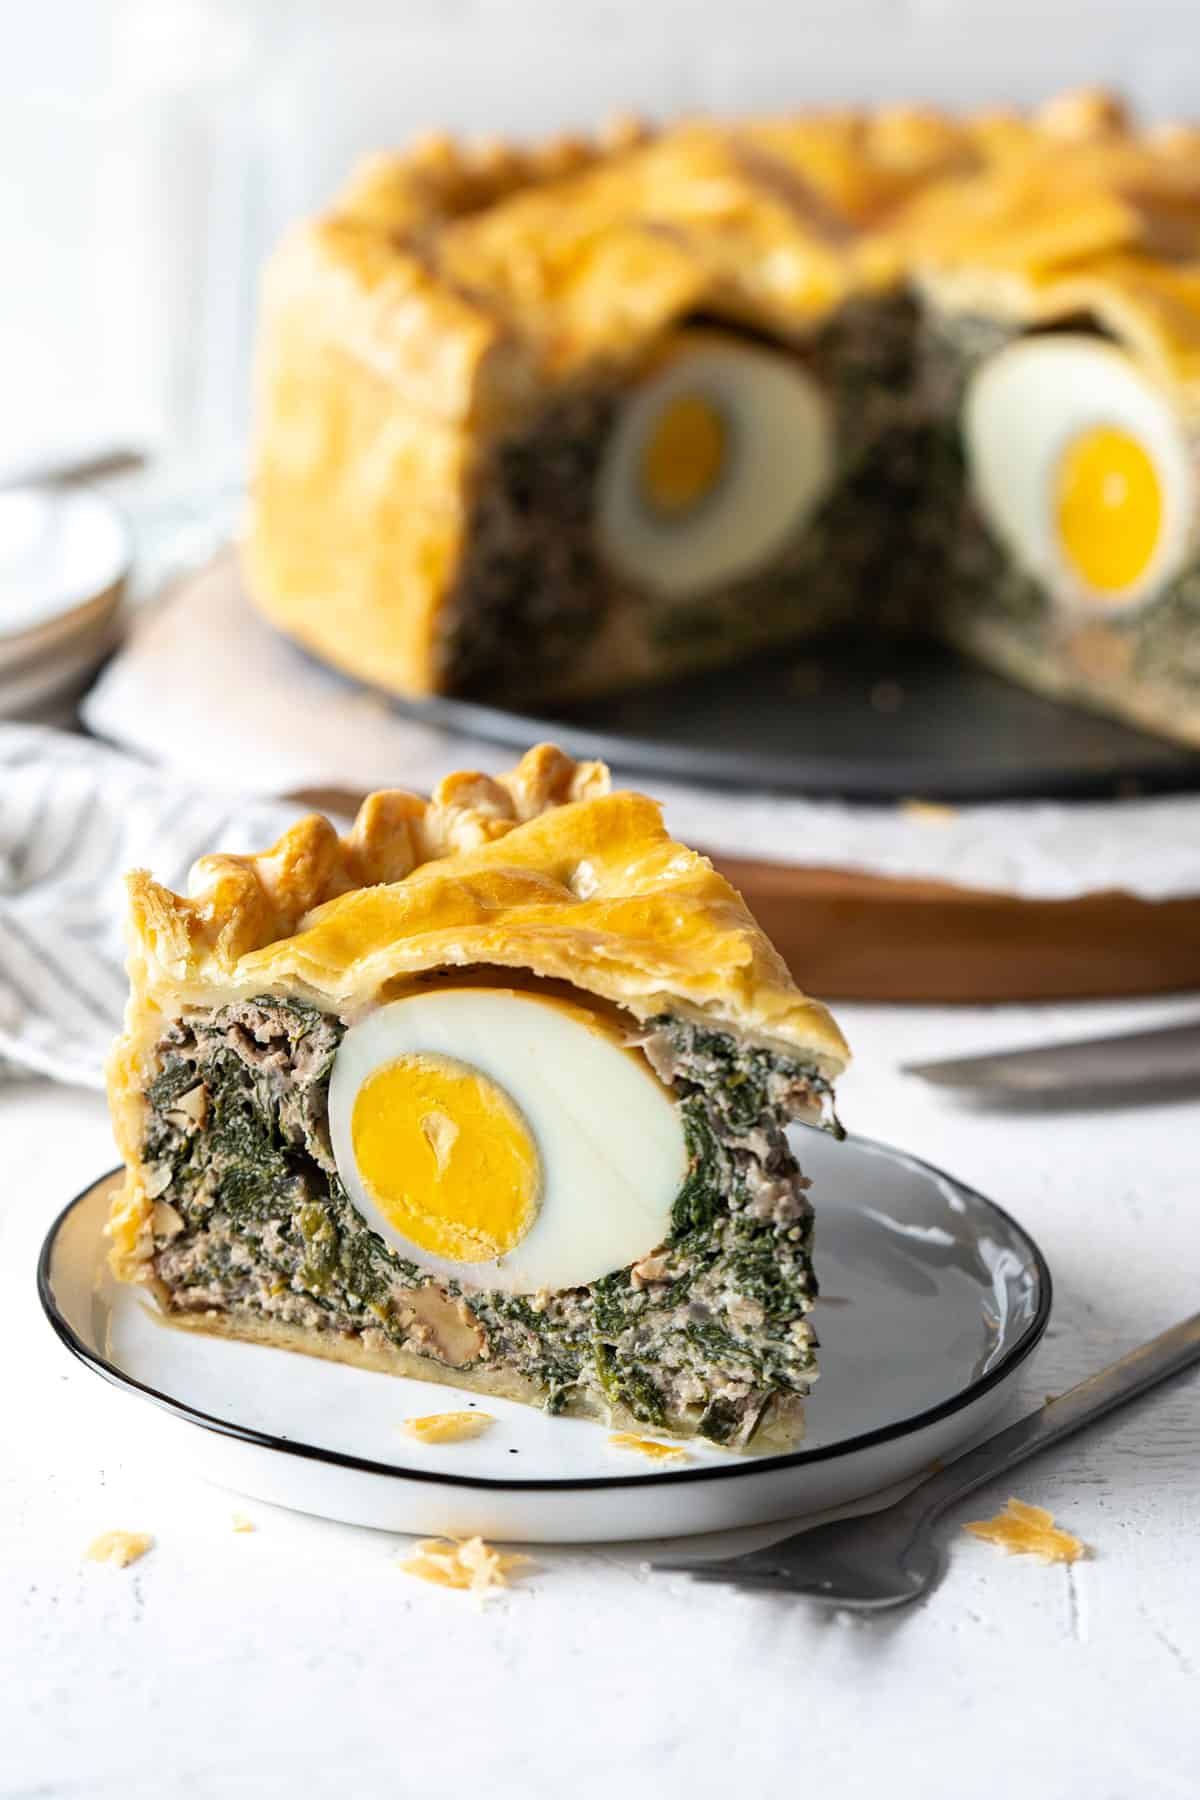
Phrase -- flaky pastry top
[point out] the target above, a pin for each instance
(473, 275)
(1080, 218)
(544, 870)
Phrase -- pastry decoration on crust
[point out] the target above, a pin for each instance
(491, 1091)
(538, 423)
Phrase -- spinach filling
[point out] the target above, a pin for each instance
(532, 591)
(535, 599)
(707, 1332)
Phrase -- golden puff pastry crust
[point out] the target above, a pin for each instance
(773, 221)
(1076, 215)
(543, 870)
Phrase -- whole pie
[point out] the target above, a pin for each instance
(494, 1091)
(549, 422)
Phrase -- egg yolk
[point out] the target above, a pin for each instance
(684, 455)
(448, 1159)
(1109, 508)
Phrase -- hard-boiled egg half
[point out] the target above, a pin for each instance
(503, 1138)
(723, 453)
(1081, 468)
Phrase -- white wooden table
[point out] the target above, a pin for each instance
(298, 1660)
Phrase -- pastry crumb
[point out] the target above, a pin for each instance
(807, 678)
(928, 812)
(648, 1447)
(242, 1523)
(469, 1564)
(448, 1428)
(1028, 1531)
(119, 1547)
(887, 697)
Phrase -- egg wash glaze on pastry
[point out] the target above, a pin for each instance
(492, 1091)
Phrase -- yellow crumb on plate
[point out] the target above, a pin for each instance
(448, 1428)
(928, 812)
(242, 1523)
(119, 1547)
(470, 1564)
(1028, 1531)
(648, 1447)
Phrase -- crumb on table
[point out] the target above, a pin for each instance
(242, 1523)
(470, 1564)
(119, 1547)
(1025, 1530)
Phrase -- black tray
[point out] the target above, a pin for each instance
(835, 719)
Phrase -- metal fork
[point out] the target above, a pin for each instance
(890, 1557)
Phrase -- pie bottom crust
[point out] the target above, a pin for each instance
(780, 1433)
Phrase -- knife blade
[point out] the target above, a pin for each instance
(1166, 1056)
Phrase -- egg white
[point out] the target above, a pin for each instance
(1021, 410)
(779, 468)
(607, 1132)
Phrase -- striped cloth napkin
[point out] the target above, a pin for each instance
(74, 816)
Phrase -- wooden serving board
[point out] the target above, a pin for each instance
(850, 936)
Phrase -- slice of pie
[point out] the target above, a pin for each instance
(492, 1091)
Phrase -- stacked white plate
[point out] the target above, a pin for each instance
(64, 559)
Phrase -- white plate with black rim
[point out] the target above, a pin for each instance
(932, 1301)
